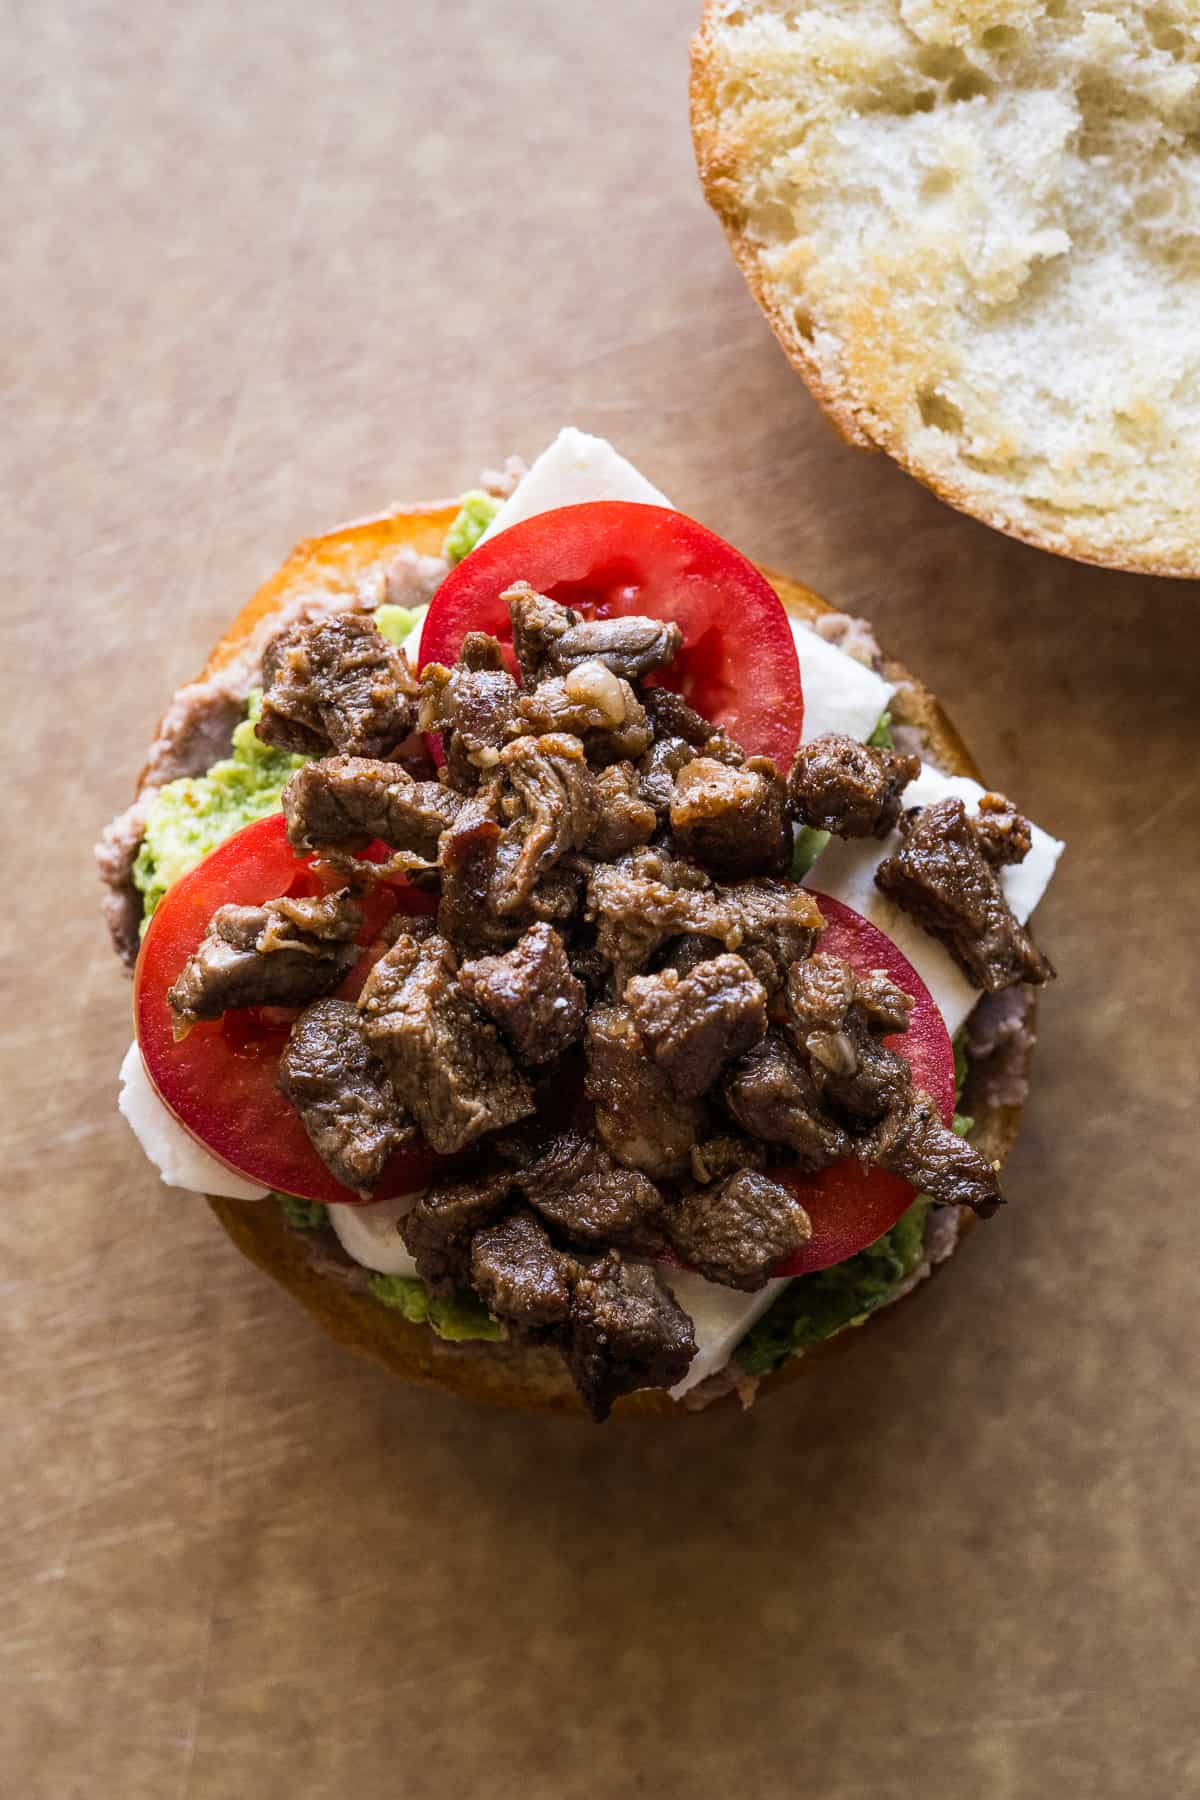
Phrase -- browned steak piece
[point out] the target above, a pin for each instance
(552, 808)
(718, 1157)
(468, 864)
(739, 1230)
(284, 953)
(519, 1275)
(597, 706)
(672, 717)
(530, 993)
(1004, 835)
(342, 802)
(625, 1331)
(588, 1196)
(626, 818)
(693, 1025)
(771, 924)
(342, 1093)
(772, 1095)
(732, 820)
(657, 771)
(438, 1230)
(473, 705)
(639, 1117)
(837, 1022)
(848, 788)
(336, 684)
(915, 1145)
(447, 1063)
(550, 639)
(942, 877)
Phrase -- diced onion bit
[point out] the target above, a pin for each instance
(591, 684)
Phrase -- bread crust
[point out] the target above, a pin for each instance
(718, 153)
(508, 1375)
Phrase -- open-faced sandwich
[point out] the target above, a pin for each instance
(572, 960)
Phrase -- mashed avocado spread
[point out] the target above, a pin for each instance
(191, 816)
(474, 516)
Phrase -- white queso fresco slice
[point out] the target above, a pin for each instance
(368, 1234)
(721, 1317)
(840, 693)
(176, 1155)
(846, 869)
(576, 468)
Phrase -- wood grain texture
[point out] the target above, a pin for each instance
(270, 267)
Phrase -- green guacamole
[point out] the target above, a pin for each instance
(456, 1317)
(474, 516)
(398, 623)
(191, 816)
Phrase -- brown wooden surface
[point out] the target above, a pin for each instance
(270, 267)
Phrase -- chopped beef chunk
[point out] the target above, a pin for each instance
(941, 876)
(342, 1093)
(519, 1275)
(551, 640)
(1004, 835)
(625, 1331)
(672, 717)
(284, 953)
(640, 1119)
(842, 786)
(739, 1230)
(732, 820)
(772, 1095)
(693, 1025)
(915, 1145)
(468, 865)
(473, 705)
(838, 1022)
(342, 802)
(437, 1231)
(771, 924)
(718, 1157)
(530, 993)
(447, 1063)
(597, 706)
(336, 684)
(657, 771)
(553, 809)
(625, 818)
(588, 1196)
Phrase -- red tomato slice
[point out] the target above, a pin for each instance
(738, 665)
(851, 1206)
(219, 1081)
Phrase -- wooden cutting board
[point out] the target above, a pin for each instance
(271, 267)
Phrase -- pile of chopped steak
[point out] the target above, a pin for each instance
(618, 1026)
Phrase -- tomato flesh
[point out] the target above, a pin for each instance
(610, 558)
(851, 1206)
(219, 1080)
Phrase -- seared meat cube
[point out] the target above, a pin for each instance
(473, 705)
(552, 808)
(732, 820)
(718, 1157)
(626, 819)
(519, 1275)
(838, 1021)
(672, 717)
(658, 769)
(639, 1117)
(941, 876)
(588, 1196)
(694, 1025)
(530, 993)
(551, 639)
(438, 1230)
(342, 1093)
(772, 1095)
(848, 788)
(343, 802)
(915, 1145)
(625, 1331)
(597, 706)
(447, 1064)
(771, 924)
(468, 865)
(284, 953)
(336, 684)
(1004, 835)
(739, 1230)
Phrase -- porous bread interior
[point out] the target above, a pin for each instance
(975, 228)
(514, 1376)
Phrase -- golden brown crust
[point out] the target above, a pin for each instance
(505, 1375)
(718, 155)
